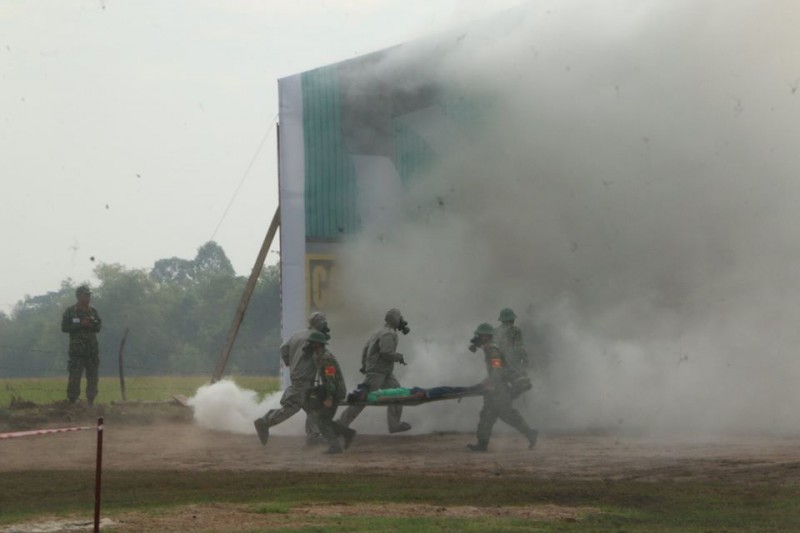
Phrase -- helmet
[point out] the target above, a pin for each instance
(317, 336)
(507, 315)
(318, 320)
(83, 289)
(393, 317)
(484, 329)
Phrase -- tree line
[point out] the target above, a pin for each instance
(178, 314)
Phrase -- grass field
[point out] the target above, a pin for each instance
(143, 388)
(616, 505)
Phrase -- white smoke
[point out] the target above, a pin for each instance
(224, 406)
(632, 191)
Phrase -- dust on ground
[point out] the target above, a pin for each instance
(587, 456)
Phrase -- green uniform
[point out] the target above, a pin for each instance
(497, 401)
(332, 383)
(509, 340)
(84, 353)
(378, 359)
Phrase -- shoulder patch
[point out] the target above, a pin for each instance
(496, 362)
(330, 370)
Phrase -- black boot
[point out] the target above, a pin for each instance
(482, 446)
(532, 436)
(262, 429)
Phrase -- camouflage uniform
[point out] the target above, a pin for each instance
(509, 340)
(333, 386)
(378, 359)
(497, 400)
(84, 353)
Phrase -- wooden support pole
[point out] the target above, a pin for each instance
(245, 301)
(98, 475)
(122, 365)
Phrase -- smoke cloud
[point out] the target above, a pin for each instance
(631, 191)
(224, 406)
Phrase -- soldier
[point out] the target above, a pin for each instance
(82, 322)
(497, 399)
(509, 340)
(302, 373)
(323, 399)
(377, 363)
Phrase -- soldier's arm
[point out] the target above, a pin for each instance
(387, 347)
(98, 322)
(285, 353)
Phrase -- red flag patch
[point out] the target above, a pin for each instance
(330, 371)
(497, 363)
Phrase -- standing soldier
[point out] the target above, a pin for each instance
(509, 340)
(302, 373)
(497, 399)
(324, 398)
(377, 363)
(82, 323)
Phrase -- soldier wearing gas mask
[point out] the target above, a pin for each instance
(302, 372)
(503, 384)
(509, 340)
(377, 364)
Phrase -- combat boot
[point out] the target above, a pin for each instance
(532, 436)
(482, 446)
(399, 428)
(262, 428)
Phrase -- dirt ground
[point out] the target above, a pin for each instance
(175, 443)
(184, 446)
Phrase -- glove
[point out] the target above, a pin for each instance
(399, 359)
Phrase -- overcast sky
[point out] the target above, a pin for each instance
(126, 127)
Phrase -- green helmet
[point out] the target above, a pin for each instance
(485, 329)
(507, 315)
(317, 336)
(83, 289)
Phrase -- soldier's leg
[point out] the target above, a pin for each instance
(324, 420)
(311, 426)
(487, 420)
(75, 368)
(394, 412)
(513, 418)
(91, 379)
(291, 402)
(373, 382)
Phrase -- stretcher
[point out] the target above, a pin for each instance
(411, 396)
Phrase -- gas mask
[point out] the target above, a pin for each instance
(403, 326)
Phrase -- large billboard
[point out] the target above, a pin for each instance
(353, 135)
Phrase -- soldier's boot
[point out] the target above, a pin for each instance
(399, 428)
(315, 439)
(262, 428)
(482, 446)
(532, 436)
(334, 449)
(348, 437)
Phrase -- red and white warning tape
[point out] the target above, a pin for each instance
(41, 432)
